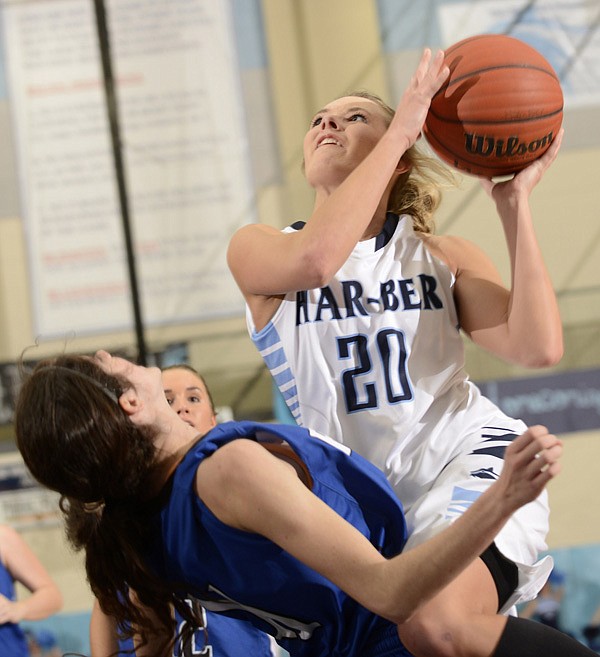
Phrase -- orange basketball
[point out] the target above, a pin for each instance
(500, 108)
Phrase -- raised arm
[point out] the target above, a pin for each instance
(266, 262)
(521, 325)
(25, 567)
(303, 525)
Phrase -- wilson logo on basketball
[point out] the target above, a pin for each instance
(499, 109)
(512, 146)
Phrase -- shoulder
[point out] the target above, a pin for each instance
(455, 251)
(230, 454)
(226, 480)
(246, 236)
(249, 231)
(226, 468)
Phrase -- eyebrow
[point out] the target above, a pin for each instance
(165, 390)
(349, 109)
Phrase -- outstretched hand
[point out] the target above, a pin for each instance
(524, 181)
(414, 104)
(530, 462)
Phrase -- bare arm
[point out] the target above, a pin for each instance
(266, 262)
(303, 525)
(104, 641)
(25, 567)
(521, 325)
(103, 633)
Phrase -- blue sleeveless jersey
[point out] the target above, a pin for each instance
(12, 638)
(246, 576)
(220, 636)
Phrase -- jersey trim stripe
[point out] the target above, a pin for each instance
(271, 349)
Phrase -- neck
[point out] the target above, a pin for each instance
(375, 225)
(374, 228)
(172, 446)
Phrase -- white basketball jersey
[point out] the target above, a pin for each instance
(375, 360)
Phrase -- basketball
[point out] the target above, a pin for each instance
(499, 109)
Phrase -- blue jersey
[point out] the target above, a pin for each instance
(219, 636)
(12, 637)
(247, 576)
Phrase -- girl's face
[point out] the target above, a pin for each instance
(188, 397)
(139, 376)
(146, 381)
(340, 136)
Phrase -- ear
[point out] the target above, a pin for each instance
(130, 402)
(402, 166)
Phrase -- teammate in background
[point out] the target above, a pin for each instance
(18, 563)
(270, 523)
(217, 635)
(189, 396)
(357, 314)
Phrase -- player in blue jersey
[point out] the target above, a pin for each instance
(217, 636)
(19, 564)
(358, 314)
(272, 524)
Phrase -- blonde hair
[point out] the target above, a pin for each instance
(418, 191)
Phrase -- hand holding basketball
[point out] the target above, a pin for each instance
(414, 104)
(499, 110)
(524, 181)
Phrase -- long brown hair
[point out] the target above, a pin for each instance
(76, 439)
(418, 191)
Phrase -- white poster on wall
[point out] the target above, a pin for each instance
(185, 149)
(564, 31)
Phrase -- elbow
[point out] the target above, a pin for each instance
(55, 601)
(400, 617)
(318, 268)
(549, 359)
(394, 606)
(398, 614)
(541, 356)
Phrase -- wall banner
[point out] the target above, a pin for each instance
(185, 150)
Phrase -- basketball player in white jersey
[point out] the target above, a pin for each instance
(357, 314)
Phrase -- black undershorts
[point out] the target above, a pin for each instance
(504, 573)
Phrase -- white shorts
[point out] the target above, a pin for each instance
(457, 487)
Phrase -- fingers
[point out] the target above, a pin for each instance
(529, 176)
(545, 463)
(530, 462)
(538, 452)
(437, 72)
(440, 69)
(540, 477)
(430, 73)
(423, 66)
(412, 109)
(532, 174)
(533, 442)
(550, 155)
(528, 438)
